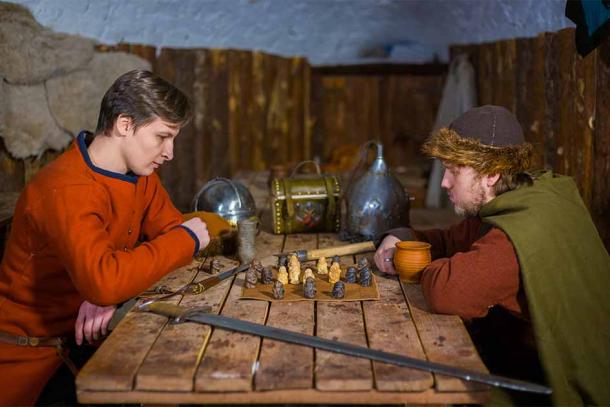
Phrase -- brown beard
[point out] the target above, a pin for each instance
(472, 207)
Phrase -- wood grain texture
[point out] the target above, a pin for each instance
(172, 361)
(230, 359)
(176, 66)
(505, 74)
(390, 328)
(258, 122)
(12, 171)
(282, 365)
(398, 110)
(343, 322)
(445, 340)
(8, 200)
(572, 78)
(240, 89)
(276, 77)
(530, 95)
(115, 364)
(216, 122)
(485, 79)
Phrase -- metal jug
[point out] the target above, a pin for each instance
(229, 199)
(375, 202)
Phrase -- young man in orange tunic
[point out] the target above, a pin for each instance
(91, 230)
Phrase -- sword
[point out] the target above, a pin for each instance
(181, 314)
(196, 287)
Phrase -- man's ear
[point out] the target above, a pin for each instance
(492, 180)
(123, 125)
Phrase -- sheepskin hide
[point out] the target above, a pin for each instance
(29, 128)
(30, 53)
(51, 84)
(74, 99)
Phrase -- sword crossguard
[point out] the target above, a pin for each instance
(188, 313)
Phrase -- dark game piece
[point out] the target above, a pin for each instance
(351, 274)
(278, 290)
(363, 262)
(282, 261)
(267, 276)
(215, 266)
(365, 277)
(309, 288)
(251, 277)
(339, 290)
(335, 259)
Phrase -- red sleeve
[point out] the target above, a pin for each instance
(75, 222)
(470, 282)
(458, 238)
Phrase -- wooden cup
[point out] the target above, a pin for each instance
(410, 259)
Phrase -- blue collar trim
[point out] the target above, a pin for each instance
(83, 150)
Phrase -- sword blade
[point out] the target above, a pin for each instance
(232, 324)
(232, 272)
(212, 281)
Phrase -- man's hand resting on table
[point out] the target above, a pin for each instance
(384, 256)
(92, 322)
(200, 229)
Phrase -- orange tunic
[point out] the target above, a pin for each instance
(74, 238)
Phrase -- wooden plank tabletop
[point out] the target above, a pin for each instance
(148, 360)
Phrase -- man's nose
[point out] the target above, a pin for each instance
(446, 182)
(168, 150)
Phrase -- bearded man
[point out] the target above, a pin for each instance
(527, 256)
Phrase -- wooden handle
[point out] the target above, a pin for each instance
(341, 250)
(166, 309)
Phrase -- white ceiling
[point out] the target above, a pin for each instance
(325, 31)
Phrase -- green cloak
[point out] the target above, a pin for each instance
(565, 270)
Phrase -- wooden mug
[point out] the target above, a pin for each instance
(410, 259)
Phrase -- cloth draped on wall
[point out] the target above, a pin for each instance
(592, 19)
(459, 96)
(565, 270)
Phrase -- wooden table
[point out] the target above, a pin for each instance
(148, 360)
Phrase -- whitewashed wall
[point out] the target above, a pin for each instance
(325, 31)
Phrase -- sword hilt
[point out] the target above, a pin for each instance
(165, 309)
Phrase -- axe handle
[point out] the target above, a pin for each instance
(341, 250)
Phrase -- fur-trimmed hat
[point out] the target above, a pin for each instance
(487, 138)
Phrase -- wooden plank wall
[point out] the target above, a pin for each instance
(562, 102)
(250, 110)
(397, 109)
(254, 110)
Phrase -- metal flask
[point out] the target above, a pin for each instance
(229, 199)
(375, 202)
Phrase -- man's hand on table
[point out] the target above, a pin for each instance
(384, 256)
(92, 322)
(200, 229)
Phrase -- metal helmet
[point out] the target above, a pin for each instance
(375, 202)
(229, 199)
